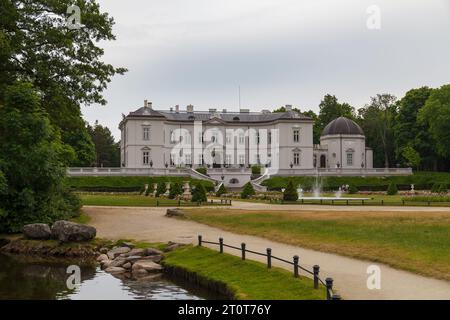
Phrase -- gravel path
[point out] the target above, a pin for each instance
(349, 274)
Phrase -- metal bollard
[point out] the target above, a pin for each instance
(221, 245)
(269, 258)
(316, 270)
(296, 266)
(243, 250)
(199, 240)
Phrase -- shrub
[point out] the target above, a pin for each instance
(443, 188)
(427, 199)
(147, 192)
(202, 170)
(392, 189)
(222, 190)
(435, 188)
(161, 189)
(256, 169)
(352, 189)
(175, 190)
(142, 190)
(290, 193)
(199, 193)
(248, 191)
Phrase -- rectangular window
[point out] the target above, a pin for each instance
(257, 137)
(146, 133)
(145, 158)
(228, 138)
(188, 158)
(200, 159)
(349, 159)
(269, 137)
(228, 159)
(172, 160)
(200, 137)
(242, 159)
(296, 135)
(296, 159)
(172, 136)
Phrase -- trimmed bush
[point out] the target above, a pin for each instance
(202, 170)
(443, 188)
(435, 188)
(256, 169)
(290, 193)
(175, 190)
(199, 193)
(161, 189)
(248, 191)
(427, 199)
(222, 190)
(352, 189)
(392, 189)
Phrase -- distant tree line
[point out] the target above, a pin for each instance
(412, 131)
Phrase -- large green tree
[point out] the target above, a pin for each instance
(32, 159)
(330, 109)
(107, 152)
(436, 114)
(377, 120)
(409, 132)
(65, 64)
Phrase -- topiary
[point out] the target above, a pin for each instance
(199, 193)
(222, 190)
(392, 189)
(435, 188)
(202, 170)
(175, 190)
(352, 189)
(443, 188)
(290, 193)
(160, 189)
(256, 169)
(248, 191)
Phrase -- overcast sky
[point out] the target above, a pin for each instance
(278, 51)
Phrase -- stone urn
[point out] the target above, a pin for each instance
(187, 196)
(166, 194)
(155, 187)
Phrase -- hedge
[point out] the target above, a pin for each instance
(125, 183)
(427, 199)
(421, 181)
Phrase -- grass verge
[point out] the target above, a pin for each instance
(246, 279)
(413, 241)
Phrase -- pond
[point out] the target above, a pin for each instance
(29, 278)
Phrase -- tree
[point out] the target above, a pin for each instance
(436, 114)
(317, 130)
(290, 193)
(411, 156)
(222, 190)
(352, 189)
(247, 191)
(175, 190)
(199, 193)
(377, 120)
(411, 132)
(32, 159)
(64, 65)
(283, 109)
(107, 152)
(161, 189)
(392, 189)
(331, 109)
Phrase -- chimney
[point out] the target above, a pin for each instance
(145, 103)
(288, 107)
(177, 108)
(190, 108)
(149, 104)
(224, 111)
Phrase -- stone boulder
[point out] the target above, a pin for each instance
(66, 231)
(147, 265)
(174, 213)
(115, 270)
(39, 231)
(117, 251)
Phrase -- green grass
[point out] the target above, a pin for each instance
(414, 241)
(421, 180)
(246, 279)
(125, 183)
(82, 218)
(132, 200)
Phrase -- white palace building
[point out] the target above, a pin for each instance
(176, 142)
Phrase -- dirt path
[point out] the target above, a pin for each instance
(349, 274)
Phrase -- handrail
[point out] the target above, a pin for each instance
(328, 283)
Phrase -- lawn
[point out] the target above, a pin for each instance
(133, 200)
(248, 280)
(413, 241)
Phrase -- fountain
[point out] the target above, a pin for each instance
(317, 191)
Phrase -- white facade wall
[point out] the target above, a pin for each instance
(345, 151)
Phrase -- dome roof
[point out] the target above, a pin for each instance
(342, 125)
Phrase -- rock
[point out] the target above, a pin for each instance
(153, 252)
(139, 273)
(37, 231)
(103, 250)
(4, 242)
(137, 252)
(133, 259)
(127, 265)
(115, 270)
(105, 263)
(150, 277)
(102, 257)
(172, 246)
(66, 231)
(174, 213)
(147, 265)
(113, 253)
(117, 262)
(127, 244)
